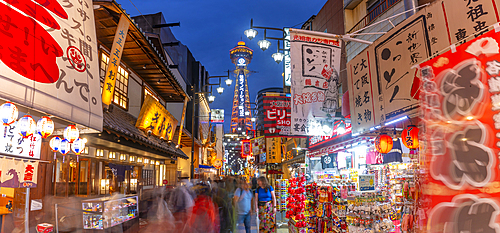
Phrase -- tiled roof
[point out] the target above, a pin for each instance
(123, 123)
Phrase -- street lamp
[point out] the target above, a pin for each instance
(278, 57)
(229, 82)
(251, 33)
(211, 98)
(264, 44)
(220, 89)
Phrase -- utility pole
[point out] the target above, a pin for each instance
(193, 130)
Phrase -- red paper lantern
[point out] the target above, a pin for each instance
(383, 143)
(409, 137)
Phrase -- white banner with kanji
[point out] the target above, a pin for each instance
(315, 78)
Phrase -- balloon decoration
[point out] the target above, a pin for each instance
(8, 113)
(409, 137)
(296, 201)
(383, 143)
(45, 126)
(54, 143)
(64, 148)
(71, 133)
(26, 126)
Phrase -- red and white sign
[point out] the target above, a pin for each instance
(44, 228)
(277, 114)
(165, 181)
(246, 148)
(49, 49)
(460, 107)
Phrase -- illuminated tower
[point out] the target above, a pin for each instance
(241, 115)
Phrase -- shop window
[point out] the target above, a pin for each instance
(139, 160)
(60, 178)
(73, 177)
(99, 153)
(85, 151)
(112, 155)
(152, 162)
(146, 161)
(83, 177)
(148, 177)
(120, 96)
(123, 157)
(132, 158)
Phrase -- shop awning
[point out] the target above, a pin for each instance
(140, 53)
(122, 124)
(186, 139)
(206, 166)
(337, 147)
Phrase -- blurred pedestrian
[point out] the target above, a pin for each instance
(265, 202)
(243, 202)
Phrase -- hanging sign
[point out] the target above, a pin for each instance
(12, 143)
(460, 101)
(277, 114)
(273, 150)
(154, 118)
(287, 66)
(315, 79)
(258, 145)
(217, 116)
(246, 148)
(114, 60)
(50, 59)
(18, 174)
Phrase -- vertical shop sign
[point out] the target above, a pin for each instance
(315, 77)
(246, 148)
(156, 119)
(360, 93)
(460, 99)
(114, 60)
(287, 61)
(49, 58)
(273, 150)
(277, 114)
(258, 145)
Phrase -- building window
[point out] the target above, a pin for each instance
(148, 177)
(132, 159)
(99, 153)
(121, 85)
(139, 160)
(112, 155)
(123, 157)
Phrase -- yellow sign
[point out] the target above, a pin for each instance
(156, 119)
(114, 60)
(273, 150)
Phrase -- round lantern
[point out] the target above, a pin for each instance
(45, 126)
(71, 133)
(8, 113)
(55, 142)
(383, 143)
(26, 126)
(77, 146)
(409, 136)
(64, 146)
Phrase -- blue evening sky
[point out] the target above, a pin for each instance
(210, 28)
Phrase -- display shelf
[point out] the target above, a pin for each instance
(107, 212)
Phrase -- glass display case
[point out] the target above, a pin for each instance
(107, 212)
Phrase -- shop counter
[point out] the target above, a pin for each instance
(110, 214)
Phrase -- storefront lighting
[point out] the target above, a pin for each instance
(397, 120)
(264, 44)
(123, 157)
(278, 57)
(54, 143)
(220, 90)
(152, 162)
(251, 33)
(157, 163)
(139, 160)
(104, 184)
(8, 113)
(99, 153)
(146, 161)
(211, 98)
(64, 148)
(45, 126)
(26, 126)
(132, 159)
(71, 133)
(229, 82)
(112, 155)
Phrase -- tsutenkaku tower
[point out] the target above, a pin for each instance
(241, 115)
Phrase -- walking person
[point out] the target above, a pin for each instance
(243, 202)
(265, 202)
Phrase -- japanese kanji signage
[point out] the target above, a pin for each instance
(460, 106)
(217, 116)
(287, 61)
(156, 119)
(277, 113)
(273, 150)
(18, 174)
(246, 148)
(258, 145)
(12, 143)
(49, 58)
(315, 78)
(114, 60)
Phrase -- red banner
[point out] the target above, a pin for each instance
(246, 148)
(277, 115)
(460, 106)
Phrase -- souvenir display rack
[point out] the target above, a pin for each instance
(105, 213)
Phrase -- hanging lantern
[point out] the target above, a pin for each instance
(8, 113)
(77, 146)
(64, 148)
(409, 137)
(71, 133)
(54, 143)
(26, 126)
(383, 143)
(45, 126)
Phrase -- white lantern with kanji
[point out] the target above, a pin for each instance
(54, 143)
(64, 146)
(77, 146)
(45, 126)
(71, 133)
(8, 113)
(26, 126)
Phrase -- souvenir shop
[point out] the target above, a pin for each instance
(362, 184)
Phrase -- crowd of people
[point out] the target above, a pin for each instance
(213, 206)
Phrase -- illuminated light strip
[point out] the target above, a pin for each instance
(397, 120)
